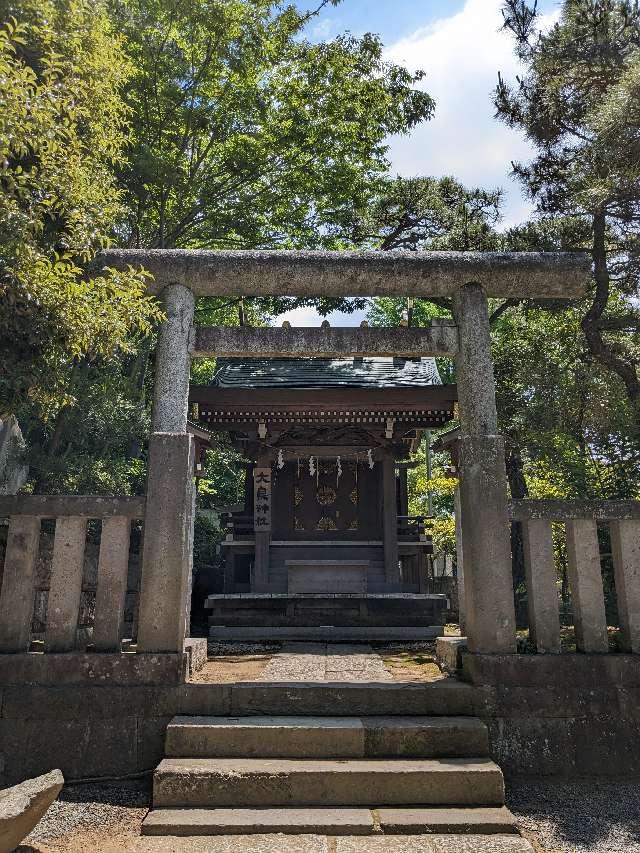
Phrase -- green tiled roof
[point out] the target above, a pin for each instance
(326, 372)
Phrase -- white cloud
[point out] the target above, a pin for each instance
(462, 56)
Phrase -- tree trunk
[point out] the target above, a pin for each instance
(602, 351)
(519, 490)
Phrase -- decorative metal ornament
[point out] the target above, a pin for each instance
(280, 459)
(297, 496)
(312, 466)
(326, 496)
(353, 496)
(370, 458)
(325, 524)
(338, 471)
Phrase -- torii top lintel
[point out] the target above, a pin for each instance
(521, 275)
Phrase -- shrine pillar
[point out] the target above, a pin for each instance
(390, 521)
(484, 518)
(165, 585)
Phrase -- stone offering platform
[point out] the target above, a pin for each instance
(357, 616)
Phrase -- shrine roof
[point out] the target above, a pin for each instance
(379, 372)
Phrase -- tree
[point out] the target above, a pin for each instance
(576, 103)
(62, 131)
(244, 133)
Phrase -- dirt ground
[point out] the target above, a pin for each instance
(414, 662)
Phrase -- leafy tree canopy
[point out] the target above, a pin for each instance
(62, 130)
(577, 104)
(244, 133)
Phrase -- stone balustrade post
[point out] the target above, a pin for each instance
(484, 518)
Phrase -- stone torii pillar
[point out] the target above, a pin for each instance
(165, 586)
(484, 519)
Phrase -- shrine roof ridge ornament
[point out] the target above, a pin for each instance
(257, 272)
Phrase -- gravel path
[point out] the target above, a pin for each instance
(322, 662)
(97, 816)
(578, 817)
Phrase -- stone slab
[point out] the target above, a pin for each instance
(234, 844)
(363, 342)
(326, 662)
(480, 844)
(264, 272)
(185, 822)
(444, 697)
(265, 737)
(22, 806)
(321, 844)
(231, 782)
(327, 634)
(92, 669)
(434, 844)
(478, 821)
(424, 737)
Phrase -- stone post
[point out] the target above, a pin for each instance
(462, 606)
(390, 522)
(171, 391)
(483, 484)
(163, 619)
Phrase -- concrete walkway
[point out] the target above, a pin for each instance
(325, 662)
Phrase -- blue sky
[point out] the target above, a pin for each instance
(460, 46)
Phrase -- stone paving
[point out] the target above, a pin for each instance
(325, 662)
(346, 844)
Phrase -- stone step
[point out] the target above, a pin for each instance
(326, 633)
(325, 737)
(249, 782)
(270, 843)
(336, 821)
(446, 697)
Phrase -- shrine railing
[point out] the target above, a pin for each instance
(67, 569)
(414, 527)
(590, 533)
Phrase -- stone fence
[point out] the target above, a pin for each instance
(581, 520)
(67, 566)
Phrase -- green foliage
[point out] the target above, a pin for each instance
(428, 214)
(62, 129)
(244, 133)
(577, 103)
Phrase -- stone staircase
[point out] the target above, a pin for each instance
(377, 774)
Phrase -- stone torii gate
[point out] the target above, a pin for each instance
(469, 279)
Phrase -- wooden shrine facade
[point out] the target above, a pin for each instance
(326, 444)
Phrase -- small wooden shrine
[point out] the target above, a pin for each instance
(327, 444)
